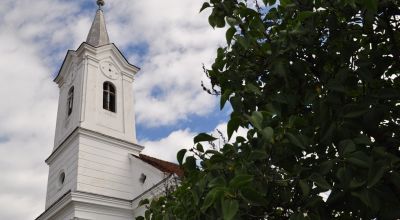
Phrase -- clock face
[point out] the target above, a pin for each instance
(109, 70)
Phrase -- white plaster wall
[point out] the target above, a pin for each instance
(67, 160)
(82, 70)
(94, 117)
(95, 165)
(153, 175)
(66, 124)
(107, 169)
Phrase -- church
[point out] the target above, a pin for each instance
(96, 169)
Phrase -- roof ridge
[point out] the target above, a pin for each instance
(162, 165)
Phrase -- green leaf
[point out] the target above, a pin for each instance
(344, 176)
(284, 3)
(258, 155)
(395, 178)
(240, 180)
(217, 182)
(229, 209)
(359, 158)
(252, 88)
(220, 21)
(304, 15)
(347, 146)
(242, 41)
(305, 188)
(224, 97)
(209, 199)
(362, 139)
(200, 148)
(232, 126)
(190, 163)
(268, 134)
(202, 137)
(354, 110)
(375, 173)
(354, 183)
(253, 196)
(295, 140)
(355, 114)
(256, 120)
(371, 5)
(147, 214)
(205, 5)
(229, 35)
(257, 24)
(337, 86)
(387, 93)
(297, 216)
(232, 21)
(181, 155)
(328, 135)
(320, 181)
(326, 166)
(144, 202)
(368, 198)
(269, 2)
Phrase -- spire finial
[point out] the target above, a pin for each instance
(100, 3)
(98, 35)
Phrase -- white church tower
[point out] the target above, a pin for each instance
(96, 171)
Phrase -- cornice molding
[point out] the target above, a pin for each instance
(79, 197)
(111, 140)
(56, 206)
(60, 147)
(86, 50)
(97, 136)
(95, 199)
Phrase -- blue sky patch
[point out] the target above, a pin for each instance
(4, 139)
(194, 123)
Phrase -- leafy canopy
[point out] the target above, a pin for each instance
(316, 83)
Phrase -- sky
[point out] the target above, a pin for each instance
(169, 40)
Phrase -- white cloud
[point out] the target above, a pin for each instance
(167, 148)
(27, 113)
(224, 130)
(33, 35)
(180, 41)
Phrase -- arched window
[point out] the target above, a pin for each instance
(109, 96)
(70, 100)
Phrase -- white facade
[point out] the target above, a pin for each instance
(95, 169)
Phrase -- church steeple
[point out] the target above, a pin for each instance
(96, 171)
(98, 35)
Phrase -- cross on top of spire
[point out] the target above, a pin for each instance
(100, 3)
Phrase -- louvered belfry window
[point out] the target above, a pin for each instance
(70, 100)
(109, 97)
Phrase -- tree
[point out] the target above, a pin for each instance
(316, 83)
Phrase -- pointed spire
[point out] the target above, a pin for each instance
(98, 35)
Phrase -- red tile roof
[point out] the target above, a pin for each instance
(162, 165)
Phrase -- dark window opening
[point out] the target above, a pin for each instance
(142, 178)
(61, 178)
(109, 97)
(70, 100)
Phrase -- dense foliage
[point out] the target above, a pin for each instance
(316, 83)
